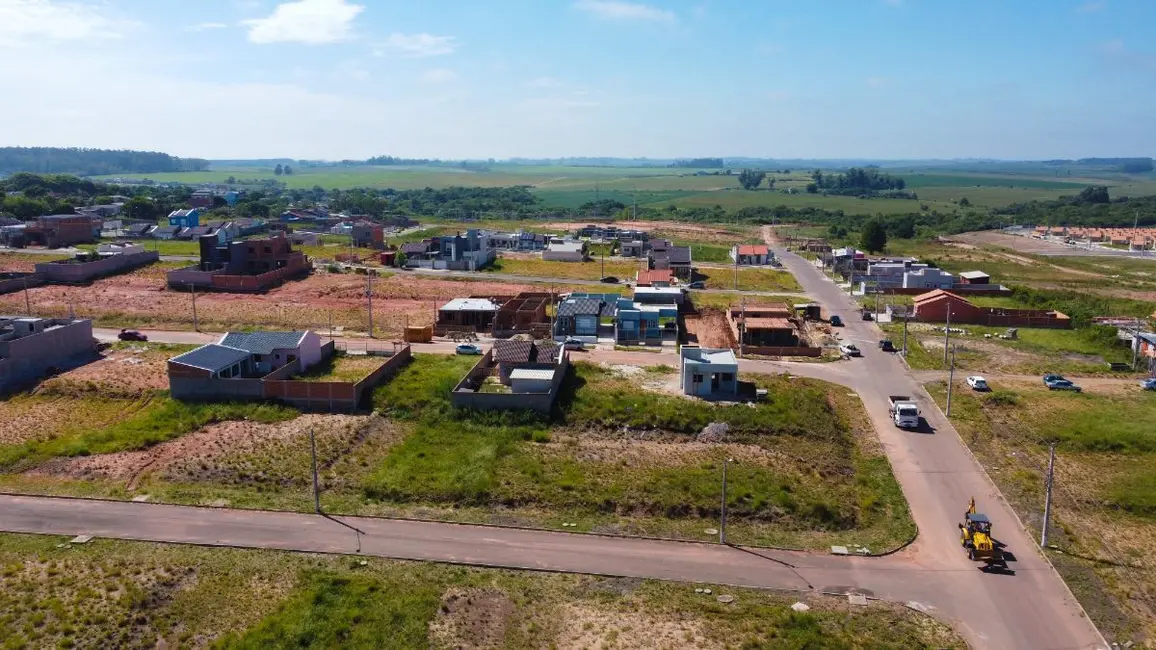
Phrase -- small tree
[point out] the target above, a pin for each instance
(287, 170)
(873, 238)
(400, 259)
(812, 188)
(963, 203)
(278, 170)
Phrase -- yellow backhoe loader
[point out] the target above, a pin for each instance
(975, 536)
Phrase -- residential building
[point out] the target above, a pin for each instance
(752, 254)
(646, 323)
(62, 230)
(103, 211)
(633, 248)
(659, 295)
(229, 264)
(934, 307)
(475, 314)
(770, 325)
(584, 316)
(32, 347)
(201, 199)
(708, 372)
(675, 258)
(517, 241)
(366, 234)
(185, 218)
(565, 251)
(165, 232)
(928, 277)
(137, 230)
(460, 252)
(264, 366)
(524, 375)
(525, 312)
(654, 278)
(974, 278)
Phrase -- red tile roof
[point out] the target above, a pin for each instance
(657, 275)
(937, 295)
(752, 249)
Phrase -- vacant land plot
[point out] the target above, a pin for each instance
(749, 279)
(141, 299)
(1104, 503)
(342, 367)
(1035, 351)
(536, 267)
(132, 594)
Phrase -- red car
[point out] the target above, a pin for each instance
(131, 335)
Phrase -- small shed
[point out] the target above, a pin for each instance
(532, 380)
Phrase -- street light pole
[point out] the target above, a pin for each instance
(722, 533)
(946, 335)
(316, 487)
(950, 381)
(193, 296)
(905, 332)
(1048, 495)
(369, 295)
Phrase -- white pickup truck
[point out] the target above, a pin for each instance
(904, 411)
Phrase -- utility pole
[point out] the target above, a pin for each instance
(330, 324)
(27, 300)
(369, 295)
(316, 487)
(722, 532)
(950, 381)
(193, 295)
(1135, 344)
(904, 332)
(737, 248)
(1048, 495)
(947, 334)
(743, 329)
(603, 247)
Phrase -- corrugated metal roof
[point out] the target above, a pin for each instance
(580, 307)
(512, 351)
(974, 275)
(211, 357)
(470, 304)
(262, 342)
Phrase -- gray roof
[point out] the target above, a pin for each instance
(580, 307)
(262, 342)
(211, 357)
(512, 351)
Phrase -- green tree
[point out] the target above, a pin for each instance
(141, 208)
(287, 170)
(399, 259)
(23, 207)
(278, 170)
(220, 202)
(963, 203)
(750, 179)
(232, 180)
(812, 188)
(873, 238)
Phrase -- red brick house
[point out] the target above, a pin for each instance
(933, 307)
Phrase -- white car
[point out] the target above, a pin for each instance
(849, 349)
(977, 383)
(574, 344)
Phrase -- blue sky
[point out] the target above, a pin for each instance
(1028, 79)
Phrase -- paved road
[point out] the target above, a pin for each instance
(1030, 609)
(1034, 608)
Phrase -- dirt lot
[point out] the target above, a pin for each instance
(127, 372)
(141, 299)
(709, 329)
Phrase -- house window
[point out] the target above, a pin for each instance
(696, 378)
(726, 376)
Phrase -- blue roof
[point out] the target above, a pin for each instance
(211, 357)
(262, 342)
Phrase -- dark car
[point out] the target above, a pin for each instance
(886, 345)
(610, 279)
(836, 321)
(131, 335)
(867, 315)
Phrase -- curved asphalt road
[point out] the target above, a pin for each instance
(1030, 609)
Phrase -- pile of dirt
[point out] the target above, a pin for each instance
(471, 619)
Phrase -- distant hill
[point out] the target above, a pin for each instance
(92, 162)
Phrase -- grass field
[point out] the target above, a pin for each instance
(342, 367)
(749, 279)
(1104, 506)
(539, 268)
(108, 594)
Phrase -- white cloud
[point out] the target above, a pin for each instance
(1092, 7)
(544, 82)
(613, 10)
(439, 76)
(417, 46)
(25, 22)
(201, 27)
(313, 22)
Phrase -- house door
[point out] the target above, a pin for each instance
(714, 382)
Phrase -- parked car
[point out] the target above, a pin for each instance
(977, 383)
(836, 321)
(1064, 384)
(468, 348)
(1148, 384)
(867, 315)
(1048, 379)
(610, 279)
(850, 350)
(886, 345)
(573, 344)
(697, 284)
(131, 335)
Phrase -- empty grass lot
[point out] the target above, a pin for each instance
(806, 475)
(539, 268)
(112, 594)
(1104, 505)
(342, 367)
(750, 279)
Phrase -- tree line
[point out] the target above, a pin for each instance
(704, 163)
(92, 162)
(856, 180)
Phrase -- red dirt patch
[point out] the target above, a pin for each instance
(709, 329)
